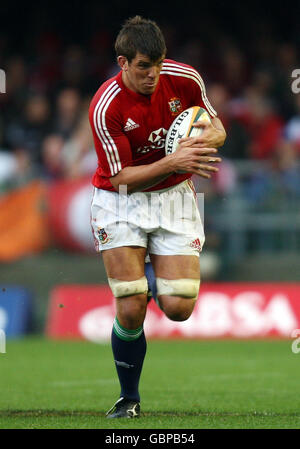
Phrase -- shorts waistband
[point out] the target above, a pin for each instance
(167, 188)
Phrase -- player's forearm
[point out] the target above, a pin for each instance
(220, 134)
(142, 177)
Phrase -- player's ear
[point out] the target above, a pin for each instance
(123, 62)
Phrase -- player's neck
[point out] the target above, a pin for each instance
(127, 83)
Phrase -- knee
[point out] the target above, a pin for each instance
(177, 297)
(177, 309)
(131, 311)
(123, 288)
(131, 301)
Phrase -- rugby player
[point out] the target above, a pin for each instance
(129, 116)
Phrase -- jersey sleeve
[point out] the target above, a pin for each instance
(191, 83)
(111, 144)
(198, 91)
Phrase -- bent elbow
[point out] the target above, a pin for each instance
(223, 138)
(120, 185)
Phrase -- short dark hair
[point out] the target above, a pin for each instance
(139, 35)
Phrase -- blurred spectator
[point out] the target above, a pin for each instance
(73, 157)
(100, 59)
(292, 128)
(286, 168)
(264, 125)
(66, 115)
(237, 141)
(46, 67)
(279, 180)
(234, 69)
(25, 135)
(73, 70)
(225, 179)
(221, 184)
(51, 151)
(264, 82)
(78, 154)
(191, 52)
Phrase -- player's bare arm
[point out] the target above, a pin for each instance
(192, 160)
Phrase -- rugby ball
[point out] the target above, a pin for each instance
(182, 126)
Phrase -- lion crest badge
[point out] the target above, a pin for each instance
(175, 106)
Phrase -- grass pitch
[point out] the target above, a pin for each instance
(185, 385)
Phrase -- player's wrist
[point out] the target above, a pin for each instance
(219, 138)
(170, 163)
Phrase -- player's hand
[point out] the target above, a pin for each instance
(193, 159)
(211, 136)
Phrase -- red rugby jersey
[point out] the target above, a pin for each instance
(129, 129)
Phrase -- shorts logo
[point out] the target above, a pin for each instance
(196, 244)
(175, 106)
(102, 236)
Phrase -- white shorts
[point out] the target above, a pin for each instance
(166, 222)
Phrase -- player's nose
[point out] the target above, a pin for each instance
(153, 72)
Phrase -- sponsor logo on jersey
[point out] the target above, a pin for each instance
(102, 236)
(196, 244)
(130, 125)
(157, 139)
(157, 135)
(175, 105)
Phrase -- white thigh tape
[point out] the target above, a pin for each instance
(187, 288)
(128, 288)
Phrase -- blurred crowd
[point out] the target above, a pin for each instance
(44, 129)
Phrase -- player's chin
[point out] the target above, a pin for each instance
(149, 89)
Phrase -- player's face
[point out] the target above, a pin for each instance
(141, 75)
